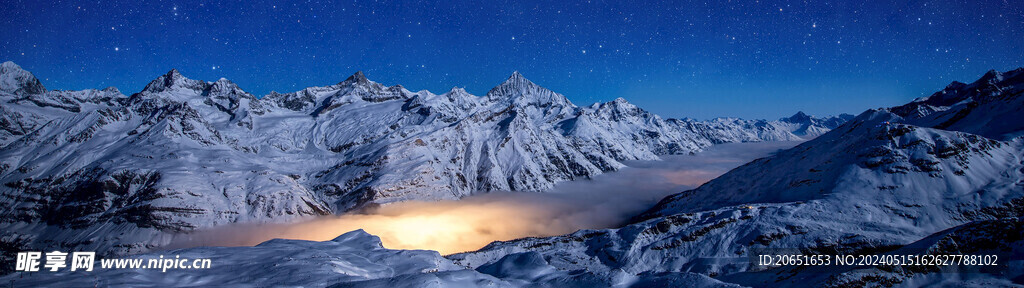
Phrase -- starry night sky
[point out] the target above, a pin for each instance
(751, 59)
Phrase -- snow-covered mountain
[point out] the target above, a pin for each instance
(354, 259)
(990, 106)
(877, 184)
(867, 187)
(28, 105)
(807, 125)
(99, 170)
(874, 185)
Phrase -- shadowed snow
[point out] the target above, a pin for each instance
(605, 201)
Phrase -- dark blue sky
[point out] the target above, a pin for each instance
(751, 59)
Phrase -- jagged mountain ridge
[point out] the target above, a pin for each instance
(877, 184)
(874, 185)
(186, 154)
(989, 106)
(870, 187)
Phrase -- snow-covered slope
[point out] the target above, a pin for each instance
(354, 259)
(14, 80)
(806, 125)
(873, 157)
(351, 257)
(991, 106)
(877, 184)
(871, 186)
(98, 170)
(27, 105)
(357, 259)
(1001, 238)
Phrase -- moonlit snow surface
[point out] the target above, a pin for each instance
(605, 201)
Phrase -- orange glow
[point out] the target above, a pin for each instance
(458, 226)
(445, 226)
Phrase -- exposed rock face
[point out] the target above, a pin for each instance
(184, 154)
(923, 178)
(877, 184)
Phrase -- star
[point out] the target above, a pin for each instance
(554, 32)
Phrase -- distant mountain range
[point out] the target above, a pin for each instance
(98, 170)
(878, 184)
(942, 175)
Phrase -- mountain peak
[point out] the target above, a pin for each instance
(174, 75)
(799, 117)
(520, 90)
(620, 104)
(991, 77)
(458, 90)
(618, 110)
(172, 79)
(15, 80)
(9, 65)
(112, 89)
(224, 84)
(358, 77)
(991, 82)
(517, 79)
(515, 84)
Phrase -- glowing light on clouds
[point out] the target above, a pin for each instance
(457, 226)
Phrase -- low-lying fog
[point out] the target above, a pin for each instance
(605, 201)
